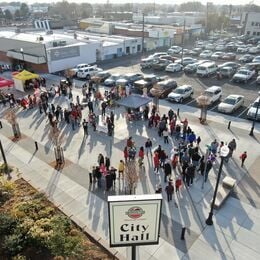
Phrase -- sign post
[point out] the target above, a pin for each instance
(134, 220)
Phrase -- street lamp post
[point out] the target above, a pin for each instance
(22, 52)
(224, 151)
(256, 113)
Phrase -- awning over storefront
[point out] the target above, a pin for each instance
(26, 75)
(134, 101)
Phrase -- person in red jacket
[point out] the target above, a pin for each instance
(126, 154)
(243, 157)
(156, 162)
(141, 156)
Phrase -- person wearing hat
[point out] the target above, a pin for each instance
(243, 157)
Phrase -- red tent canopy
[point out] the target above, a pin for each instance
(6, 82)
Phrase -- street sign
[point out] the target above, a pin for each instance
(134, 219)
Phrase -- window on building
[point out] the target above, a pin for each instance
(138, 47)
(248, 32)
(258, 33)
(252, 23)
(127, 50)
(254, 33)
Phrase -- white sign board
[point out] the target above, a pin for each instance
(134, 219)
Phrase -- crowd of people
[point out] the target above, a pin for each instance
(185, 162)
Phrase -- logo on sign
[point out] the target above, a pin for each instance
(135, 212)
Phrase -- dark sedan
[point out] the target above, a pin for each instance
(163, 88)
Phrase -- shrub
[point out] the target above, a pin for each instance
(13, 244)
(7, 224)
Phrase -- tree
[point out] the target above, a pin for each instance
(17, 14)
(191, 7)
(216, 22)
(24, 10)
(8, 15)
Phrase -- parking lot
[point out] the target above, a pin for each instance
(248, 90)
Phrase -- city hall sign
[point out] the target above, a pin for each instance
(134, 219)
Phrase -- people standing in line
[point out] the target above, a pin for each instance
(126, 153)
(85, 127)
(156, 162)
(243, 157)
(141, 156)
(121, 169)
(148, 146)
(167, 170)
(169, 191)
(166, 136)
(190, 173)
(101, 159)
(198, 141)
(232, 147)
(107, 163)
(178, 184)
(208, 168)
(214, 147)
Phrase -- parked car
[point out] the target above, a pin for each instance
(101, 76)
(111, 81)
(174, 50)
(163, 88)
(232, 64)
(210, 46)
(186, 60)
(229, 56)
(253, 50)
(254, 66)
(196, 51)
(214, 94)
(192, 68)
(5, 67)
(243, 75)
(88, 72)
(231, 103)
(147, 63)
(147, 82)
(157, 55)
(169, 57)
(206, 69)
(128, 78)
(242, 49)
(256, 59)
(220, 47)
(181, 93)
(75, 70)
(217, 55)
(174, 67)
(251, 114)
(161, 64)
(258, 80)
(206, 54)
(227, 72)
(246, 58)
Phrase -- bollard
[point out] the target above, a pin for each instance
(1, 126)
(229, 123)
(36, 145)
(178, 112)
(183, 233)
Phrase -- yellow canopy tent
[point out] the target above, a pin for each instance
(20, 78)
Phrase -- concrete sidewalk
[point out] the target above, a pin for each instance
(236, 230)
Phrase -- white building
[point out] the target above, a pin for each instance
(251, 23)
(45, 52)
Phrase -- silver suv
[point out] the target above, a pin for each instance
(214, 94)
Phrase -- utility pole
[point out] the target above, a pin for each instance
(207, 18)
(143, 34)
(182, 40)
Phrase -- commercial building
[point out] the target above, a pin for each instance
(52, 51)
(250, 22)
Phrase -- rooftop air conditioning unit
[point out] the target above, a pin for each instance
(49, 32)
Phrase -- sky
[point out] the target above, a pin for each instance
(234, 2)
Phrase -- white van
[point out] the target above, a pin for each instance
(206, 69)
